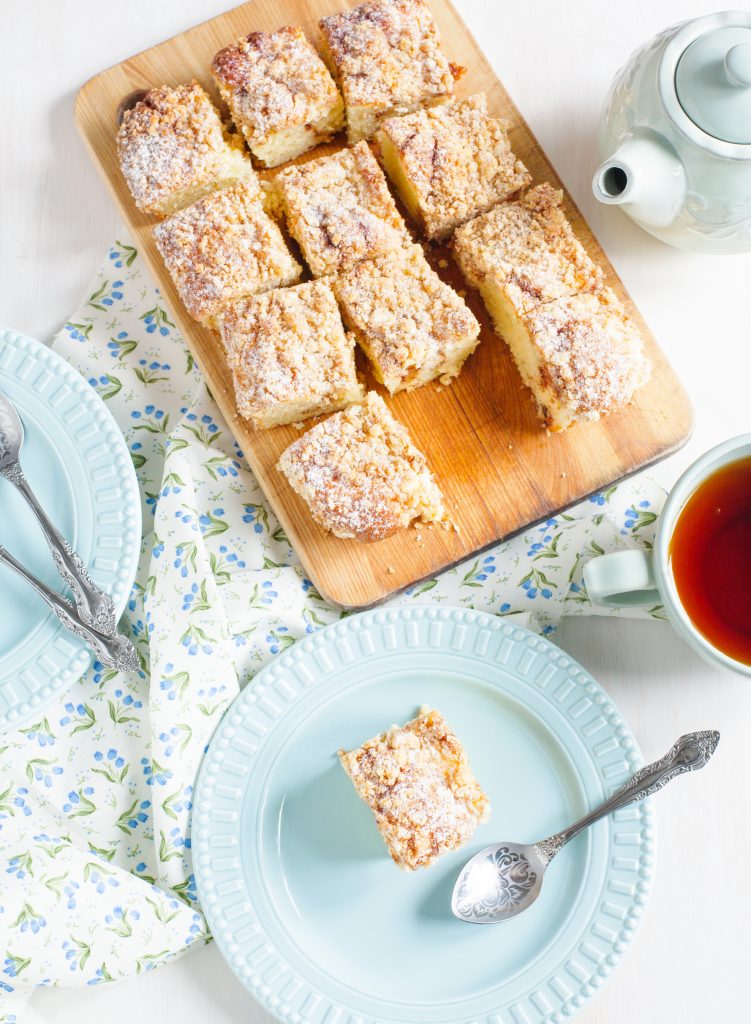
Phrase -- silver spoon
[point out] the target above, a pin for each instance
(115, 651)
(94, 606)
(505, 879)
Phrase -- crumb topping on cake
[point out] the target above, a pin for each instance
(273, 79)
(529, 247)
(361, 475)
(417, 781)
(288, 346)
(408, 320)
(387, 53)
(457, 158)
(340, 210)
(591, 353)
(170, 140)
(224, 247)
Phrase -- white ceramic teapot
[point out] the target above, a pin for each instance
(675, 135)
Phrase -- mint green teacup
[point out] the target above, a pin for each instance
(635, 577)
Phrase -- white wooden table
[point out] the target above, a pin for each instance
(690, 958)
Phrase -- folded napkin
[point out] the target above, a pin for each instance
(95, 796)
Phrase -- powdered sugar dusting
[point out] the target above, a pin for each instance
(413, 326)
(417, 781)
(591, 353)
(457, 159)
(271, 80)
(289, 353)
(387, 53)
(172, 140)
(340, 211)
(361, 475)
(224, 247)
(527, 248)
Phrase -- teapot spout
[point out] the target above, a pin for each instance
(646, 177)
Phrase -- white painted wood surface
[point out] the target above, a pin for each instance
(690, 957)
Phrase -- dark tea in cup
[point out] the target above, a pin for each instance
(710, 559)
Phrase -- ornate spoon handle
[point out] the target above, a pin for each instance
(687, 754)
(112, 651)
(94, 606)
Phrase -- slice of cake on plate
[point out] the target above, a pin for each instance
(580, 356)
(280, 94)
(360, 474)
(411, 325)
(173, 149)
(386, 58)
(340, 211)
(224, 247)
(449, 163)
(417, 781)
(289, 355)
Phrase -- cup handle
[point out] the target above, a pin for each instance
(623, 578)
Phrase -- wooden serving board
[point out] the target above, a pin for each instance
(498, 469)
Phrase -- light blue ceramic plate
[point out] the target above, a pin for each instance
(77, 462)
(299, 891)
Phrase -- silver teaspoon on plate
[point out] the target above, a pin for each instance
(505, 879)
(95, 608)
(113, 651)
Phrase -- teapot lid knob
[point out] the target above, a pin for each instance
(738, 64)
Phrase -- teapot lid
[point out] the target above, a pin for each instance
(713, 81)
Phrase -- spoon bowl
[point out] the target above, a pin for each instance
(11, 433)
(498, 883)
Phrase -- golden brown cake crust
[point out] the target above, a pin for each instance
(360, 474)
(408, 320)
(458, 160)
(287, 348)
(221, 248)
(417, 781)
(592, 357)
(271, 80)
(387, 55)
(527, 247)
(170, 140)
(340, 211)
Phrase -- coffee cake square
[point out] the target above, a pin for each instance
(221, 248)
(523, 253)
(581, 357)
(360, 474)
(289, 355)
(340, 211)
(279, 93)
(386, 58)
(411, 325)
(417, 781)
(173, 150)
(449, 163)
